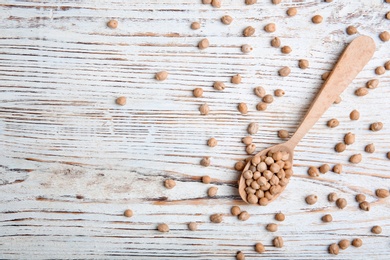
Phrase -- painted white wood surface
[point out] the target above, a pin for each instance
(71, 160)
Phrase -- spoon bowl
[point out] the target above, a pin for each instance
(264, 183)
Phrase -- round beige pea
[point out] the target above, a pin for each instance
(236, 79)
(356, 158)
(235, 210)
(303, 64)
(219, 85)
(380, 70)
(349, 138)
(195, 26)
(271, 27)
(203, 44)
(226, 19)
(128, 213)
(259, 248)
(333, 123)
(337, 168)
(216, 218)
(357, 242)
(193, 226)
(341, 203)
(382, 193)
(377, 126)
(272, 227)
(247, 140)
(354, 115)
(197, 92)
(327, 218)
(280, 216)
(283, 134)
(248, 31)
(259, 91)
(216, 3)
(268, 99)
(376, 229)
(362, 91)
(278, 242)
(212, 142)
(121, 101)
(370, 148)
(212, 192)
(373, 83)
(246, 48)
(340, 147)
(334, 249)
(275, 42)
(384, 36)
(261, 106)
(250, 2)
(292, 11)
(360, 198)
(344, 244)
(276, 2)
(324, 168)
(387, 65)
(364, 205)
(204, 109)
(253, 128)
(351, 30)
(163, 227)
(240, 255)
(317, 19)
(332, 197)
(242, 108)
(113, 24)
(313, 171)
(244, 216)
(311, 199)
(286, 49)
(205, 161)
(250, 149)
(161, 76)
(279, 93)
(206, 179)
(284, 72)
(169, 184)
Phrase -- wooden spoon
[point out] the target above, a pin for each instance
(351, 62)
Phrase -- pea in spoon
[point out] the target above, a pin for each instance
(355, 56)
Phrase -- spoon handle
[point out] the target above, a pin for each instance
(351, 62)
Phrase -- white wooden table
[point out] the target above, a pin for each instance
(71, 160)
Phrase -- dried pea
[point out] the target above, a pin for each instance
(317, 19)
(351, 30)
(344, 244)
(163, 227)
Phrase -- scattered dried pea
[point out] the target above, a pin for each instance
(380, 70)
(303, 64)
(242, 108)
(244, 216)
(286, 49)
(261, 106)
(246, 48)
(206, 2)
(240, 255)
(332, 197)
(370, 148)
(275, 42)
(354, 115)
(259, 248)
(382, 193)
(377, 126)
(253, 128)
(311, 199)
(169, 184)
(362, 91)
(341, 203)
(235, 210)
(272, 227)
(280, 216)
(338, 100)
(121, 101)
(364, 205)
(278, 242)
(239, 166)
(193, 226)
(212, 142)
(376, 229)
(357, 242)
(226, 19)
(276, 2)
(324, 168)
(317, 19)
(203, 44)
(372, 83)
(271, 27)
(334, 249)
(313, 171)
(195, 25)
(268, 99)
(360, 198)
(349, 138)
(279, 92)
(344, 244)
(249, 31)
(284, 72)
(250, 148)
(388, 15)
(236, 79)
(163, 227)
(250, 2)
(351, 30)
(219, 85)
(216, 3)
(259, 91)
(212, 191)
(384, 36)
(128, 213)
(206, 179)
(340, 147)
(113, 24)
(216, 218)
(205, 161)
(197, 92)
(327, 218)
(356, 158)
(387, 65)
(337, 168)
(204, 109)
(333, 123)
(161, 76)
(284, 134)
(292, 11)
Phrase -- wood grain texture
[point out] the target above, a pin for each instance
(71, 160)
